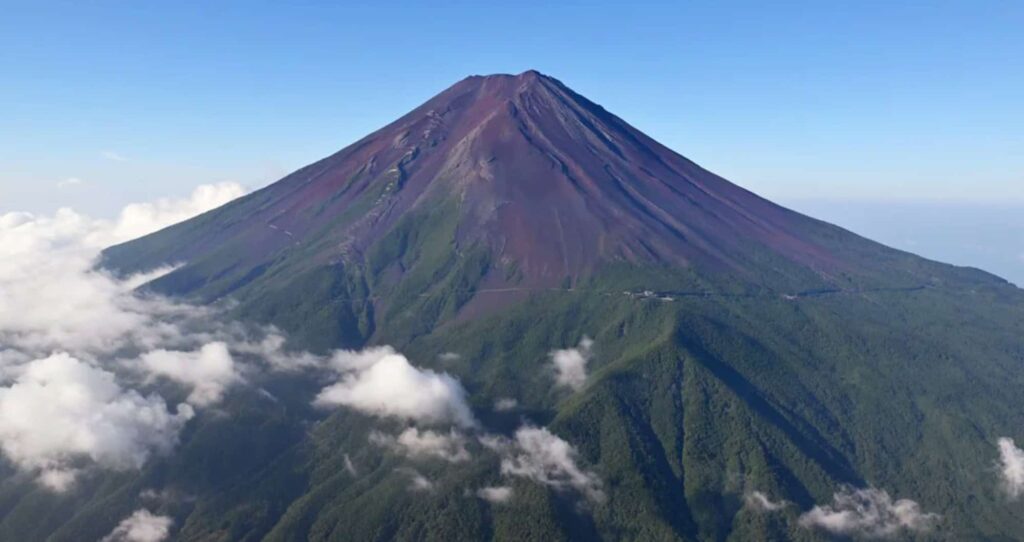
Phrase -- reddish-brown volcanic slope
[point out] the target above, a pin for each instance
(543, 178)
(547, 178)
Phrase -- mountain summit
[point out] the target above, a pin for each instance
(688, 360)
(519, 184)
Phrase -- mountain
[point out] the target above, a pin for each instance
(738, 346)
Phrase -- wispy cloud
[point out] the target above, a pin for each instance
(113, 156)
(505, 404)
(141, 526)
(540, 455)
(868, 512)
(759, 502)
(417, 482)
(412, 442)
(495, 494)
(70, 181)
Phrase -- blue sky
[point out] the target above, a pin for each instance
(851, 101)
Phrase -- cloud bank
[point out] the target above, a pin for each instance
(868, 512)
(64, 405)
(60, 410)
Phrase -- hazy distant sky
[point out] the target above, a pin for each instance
(107, 102)
(833, 99)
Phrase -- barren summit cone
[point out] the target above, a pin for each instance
(650, 351)
(525, 185)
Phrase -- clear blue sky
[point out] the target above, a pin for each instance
(822, 99)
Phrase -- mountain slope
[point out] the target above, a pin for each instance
(510, 182)
(739, 346)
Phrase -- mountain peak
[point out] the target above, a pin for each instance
(543, 185)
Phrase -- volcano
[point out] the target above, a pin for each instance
(518, 185)
(739, 350)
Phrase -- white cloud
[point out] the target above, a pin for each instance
(60, 409)
(61, 322)
(571, 364)
(868, 512)
(415, 444)
(70, 181)
(208, 371)
(383, 383)
(757, 501)
(495, 494)
(51, 298)
(1011, 467)
(113, 156)
(141, 526)
(505, 404)
(537, 454)
(449, 356)
(350, 466)
(418, 482)
(138, 219)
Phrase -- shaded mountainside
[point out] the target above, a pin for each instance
(739, 346)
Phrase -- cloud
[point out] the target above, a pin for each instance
(495, 494)
(449, 356)
(1011, 467)
(415, 444)
(52, 298)
(757, 501)
(60, 410)
(208, 371)
(113, 156)
(505, 404)
(62, 324)
(141, 526)
(868, 512)
(138, 219)
(70, 181)
(417, 481)
(571, 364)
(383, 383)
(537, 454)
(350, 467)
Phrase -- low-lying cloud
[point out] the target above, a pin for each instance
(207, 372)
(417, 482)
(759, 502)
(1011, 467)
(383, 383)
(418, 444)
(141, 526)
(64, 403)
(571, 364)
(60, 410)
(495, 494)
(868, 512)
(539, 455)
